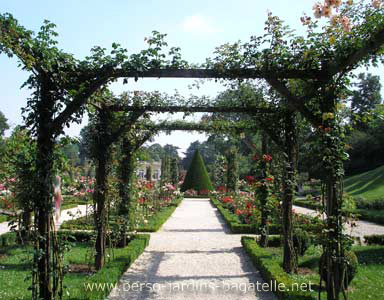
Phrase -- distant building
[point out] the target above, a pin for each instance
(142, 169)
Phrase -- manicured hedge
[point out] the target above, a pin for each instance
(307, 204)
(371, 215)
(272, 272)
(197, 177)
(236, 227)
(374, 239)
(8, 239)
(113, 270)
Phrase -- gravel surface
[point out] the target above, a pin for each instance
(362, 227)
(192, 257)
(67, 214)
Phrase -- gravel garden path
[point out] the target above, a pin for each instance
(362, 227)
(67, 214)
(193, 256)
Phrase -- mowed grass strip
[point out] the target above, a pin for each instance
(368, 185)
(15, 270)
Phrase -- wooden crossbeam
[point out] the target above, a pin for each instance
(191, 126)
(217, 109)
(228, 73)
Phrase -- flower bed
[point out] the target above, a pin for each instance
(242, 215)
(236, 226)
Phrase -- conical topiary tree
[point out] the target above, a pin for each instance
(197, 177)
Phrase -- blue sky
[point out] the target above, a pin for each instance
(195, 26)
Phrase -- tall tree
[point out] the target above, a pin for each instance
(171, 150)
(175, 171)
(188, 155)
(365, 98)
(232, 169)
(155, 152)
(3, 124)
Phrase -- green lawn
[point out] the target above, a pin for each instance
(16, 269)
(368, 185)
(367, 284)
(4, 218)
(70, 201)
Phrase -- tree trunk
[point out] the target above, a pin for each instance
(334, 250)
(165, 169)
(43, 194)
(175, 172)
(232, 171)
(26, 220)
(290, 256)
(101, 210)
(44, 165)
(264, 198)
(334, 170)
(127, 168)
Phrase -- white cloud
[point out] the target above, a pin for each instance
(198, 24)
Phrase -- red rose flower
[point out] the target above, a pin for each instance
(267, 157)
(250, 179)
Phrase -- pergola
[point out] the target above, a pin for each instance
(63, 85)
